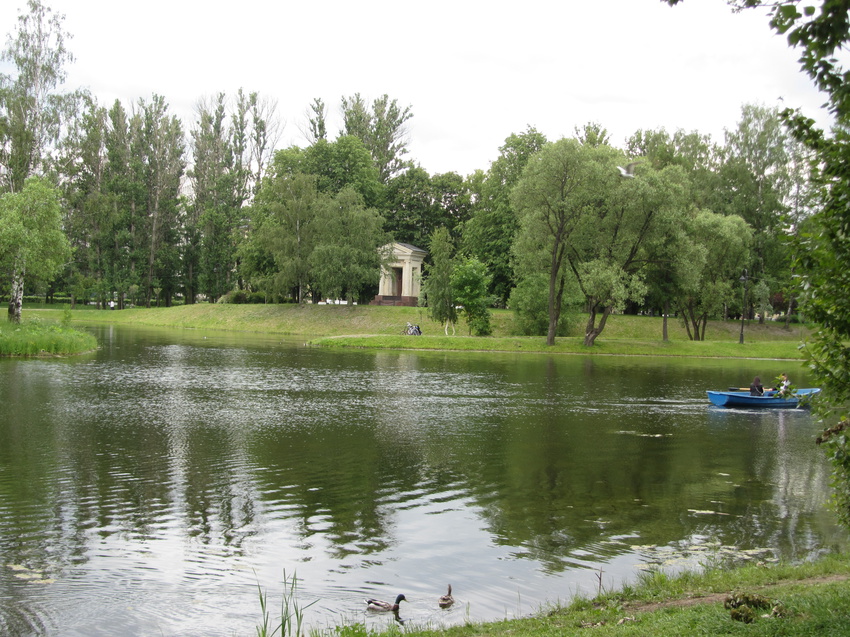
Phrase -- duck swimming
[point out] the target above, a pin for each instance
(385, 607)
(446, 600)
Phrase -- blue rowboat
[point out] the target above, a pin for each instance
(770, 400)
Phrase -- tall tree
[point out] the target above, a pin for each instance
(31, 108)
(91, 223)
(754, 183)
(491, 229)
(717, 249)
(383, 130)
(317, 121)
(285, 227)
(675, 260)
(208, 250)
(124, 182)
(229, 154)
(161, 148)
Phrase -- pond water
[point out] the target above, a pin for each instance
(156, 486)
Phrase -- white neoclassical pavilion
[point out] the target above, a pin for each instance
(401, 278)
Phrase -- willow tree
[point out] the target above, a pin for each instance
(592, 225)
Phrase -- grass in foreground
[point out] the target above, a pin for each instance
(805, 599)
(34, 338)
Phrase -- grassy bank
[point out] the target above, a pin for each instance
(757, 599)
(574, 345)
(36, 338)
(381, 327)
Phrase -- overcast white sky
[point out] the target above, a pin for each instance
(473, 71)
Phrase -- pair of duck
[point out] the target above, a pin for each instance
(378, 605)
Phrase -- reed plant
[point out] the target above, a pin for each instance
(291, 611)
(33, 337)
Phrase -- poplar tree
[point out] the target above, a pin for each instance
(437, 286)
(383, 130)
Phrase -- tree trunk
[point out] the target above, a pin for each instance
(592, 331)
(664, 328)
(554, 310)
(689, 320)
(16, 297)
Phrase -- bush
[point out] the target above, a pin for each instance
(530, 304)
(240, 297)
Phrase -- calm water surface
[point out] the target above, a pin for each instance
(150, 488)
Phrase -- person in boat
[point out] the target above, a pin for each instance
(784, 385)
(756, 388)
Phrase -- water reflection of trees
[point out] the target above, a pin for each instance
(557, 464)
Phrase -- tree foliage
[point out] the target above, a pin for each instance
(592, 225)
(31, 235)
(382, 127)
(491, 228)
(346, 261)
(470, 282)
(285, 228)
(32, 108)
(717, 248)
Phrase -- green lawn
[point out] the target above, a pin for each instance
(381, 327)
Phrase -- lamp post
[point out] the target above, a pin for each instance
(744, 278)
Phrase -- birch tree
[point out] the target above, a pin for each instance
(32, 109)
(31, 236)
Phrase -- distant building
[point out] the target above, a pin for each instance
(401, 278)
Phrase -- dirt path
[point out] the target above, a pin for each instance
(719, 598)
